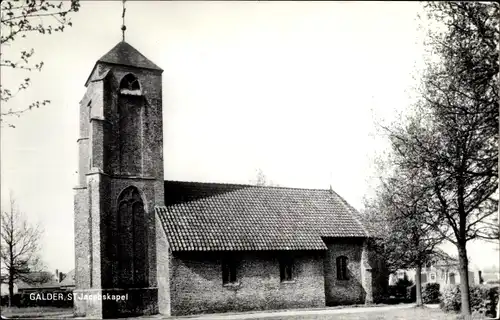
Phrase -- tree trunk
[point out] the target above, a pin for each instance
(464, 280)
(418, 285)
(11, 289)
(11, 269)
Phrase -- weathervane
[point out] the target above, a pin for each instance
(123, 24)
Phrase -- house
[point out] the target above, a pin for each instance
(39, 282)
(4, 289)
(491, 274)
(443, 269)
(176, 248)
(68, 282)
(33, 282)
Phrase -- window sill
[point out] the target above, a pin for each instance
(232, 285)
(129, 92)
(288, 281)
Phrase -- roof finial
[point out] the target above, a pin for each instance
(123, 24)
(331, 189)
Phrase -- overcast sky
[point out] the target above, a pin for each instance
(292, 88)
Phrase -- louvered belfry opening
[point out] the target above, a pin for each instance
(130, 111)
(131, 240)
(129, 85)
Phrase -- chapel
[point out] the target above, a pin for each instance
(178, 247)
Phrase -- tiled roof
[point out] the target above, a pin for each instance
(69, 280)
(124, 54)
(220, 217)
(369, 228)
(37, 280)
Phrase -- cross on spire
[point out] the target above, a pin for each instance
(123, 19)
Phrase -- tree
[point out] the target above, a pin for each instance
(19, 251)
(452, 136)
(261, 180)
(18, 19)
(397, 215)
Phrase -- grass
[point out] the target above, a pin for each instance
(414, 313)
(36, 312)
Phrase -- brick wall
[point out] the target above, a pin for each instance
(196, 283)
(349, 291)
(379, 275)
(148, 158)
(102, 180)
(163, 265)
(82, 240)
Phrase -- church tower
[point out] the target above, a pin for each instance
(120, 182)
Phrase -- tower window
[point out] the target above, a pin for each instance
(89, 106)
(130, 85)
(342, 268)
(131, 240)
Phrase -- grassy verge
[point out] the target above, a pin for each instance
(36, 312)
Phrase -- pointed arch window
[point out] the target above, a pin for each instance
(129, 85)
(131, 240)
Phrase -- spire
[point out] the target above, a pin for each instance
(123, 23)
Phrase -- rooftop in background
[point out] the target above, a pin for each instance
(37, 280)
(69, 280)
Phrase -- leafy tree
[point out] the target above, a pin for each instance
(397, 215)
(404, 282)
(451, 138)
(18, 19)
(19, 250)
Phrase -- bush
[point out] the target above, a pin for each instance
(400, 289)
(400, 292)
(483, 299)
(404, 282)
(430, 293)
(451, 299)
(39, 299)
(411, 293)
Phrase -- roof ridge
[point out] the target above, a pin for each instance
(246, 185)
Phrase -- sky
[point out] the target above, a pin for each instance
(291, 88)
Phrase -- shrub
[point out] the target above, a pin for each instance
(400, 289)
(430, 293)
(483, 299)
(404, 282)
(21, 300)
(450, 298)
(411, 293)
